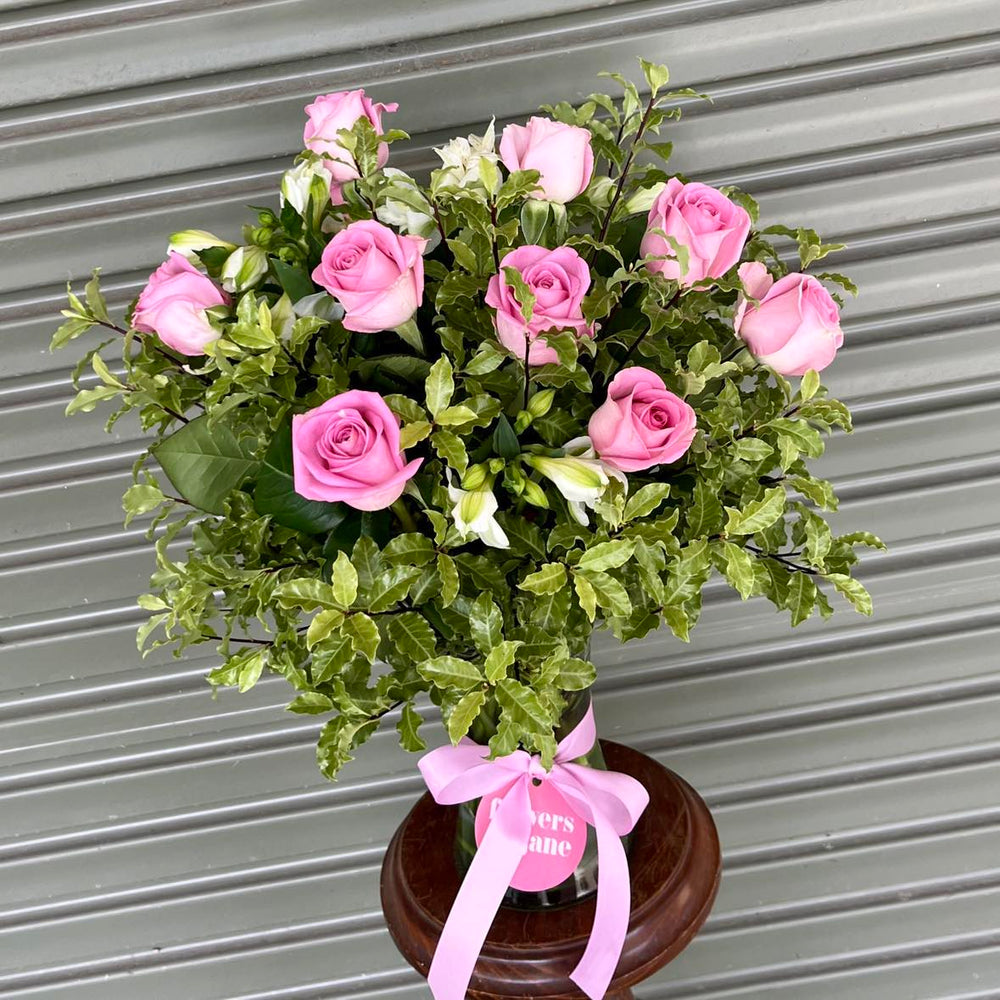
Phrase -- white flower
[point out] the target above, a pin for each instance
(582, 448)
(307, 178)
(243, 268)
(405, 216)
(190, 240)
(461, 156)
(474, 512)
(580, 480)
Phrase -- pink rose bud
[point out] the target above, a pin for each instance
(560, 153)
(347, 449)
(331, 113)
(709, 225)
(641, 423)
(558, 279)
(375, 274)
(173, 304)
(795, 327)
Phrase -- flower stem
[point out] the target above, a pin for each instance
(496, 249)
(626, 166)
(777, 557)
(399, 508)
(527, 368)
(159, 350)
(440, 223)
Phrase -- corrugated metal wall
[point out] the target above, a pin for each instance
(157, 844)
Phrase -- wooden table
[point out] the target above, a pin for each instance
(675, 865)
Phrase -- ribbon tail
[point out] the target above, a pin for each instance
(479, 897)
(595, 970)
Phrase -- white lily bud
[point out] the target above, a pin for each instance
(579, 479)
(474, 514)
(306, 179)
(188, 241)
(244, 267)
(461, 157)
(582, 448)
(474, 477)
(642, 200)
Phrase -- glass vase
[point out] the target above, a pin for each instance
(583, 880)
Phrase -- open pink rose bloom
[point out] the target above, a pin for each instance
(559, 279)
(173, 304)
(348, 449)
(796, 325)
(375, 274)
(710, 226)
(641, 423)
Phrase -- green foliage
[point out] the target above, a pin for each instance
(369, 614)
(205, 463)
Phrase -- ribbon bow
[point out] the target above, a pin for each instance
(609, 801)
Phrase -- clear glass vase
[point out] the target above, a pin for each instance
(583, 881)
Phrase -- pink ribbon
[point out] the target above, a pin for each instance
(609, 801)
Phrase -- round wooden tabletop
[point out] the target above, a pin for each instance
(675, 864)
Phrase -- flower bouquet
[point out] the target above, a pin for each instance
(422, 439)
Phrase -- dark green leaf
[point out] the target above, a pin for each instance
(294, 280)
(505, 442)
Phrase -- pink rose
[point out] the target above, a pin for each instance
(560, 153)
(795, 327)
(641, 423)
(348, 449)
(331, 113)
(173, 304)
(705, 221)
(558, 279)
(375, 274)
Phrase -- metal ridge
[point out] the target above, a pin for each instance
(56, 19)
(721, 922)
(371, 921)
(804, 969)
(69, 19)
(194, 886)
(189, 678)
(248, 743)
(258, 177)
(403, 788)
(465, 49)
(285, 804)
(269, 939)
(770, 915)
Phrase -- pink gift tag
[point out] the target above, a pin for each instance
(558, 837)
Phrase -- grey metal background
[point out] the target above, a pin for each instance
(157, 844)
